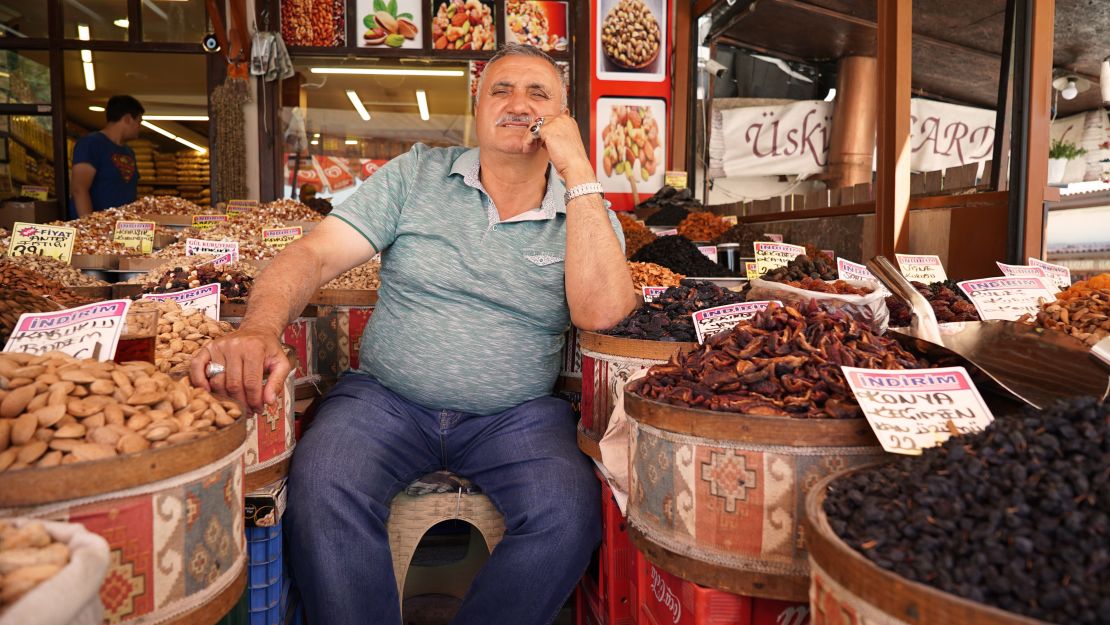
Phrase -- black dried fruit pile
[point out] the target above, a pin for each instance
(674, 206)
(670, 216)
(948, 301)
(1017, 516)
(818, 268)
(667, 318)
(680, 255)
(745, 235)
(233, 284)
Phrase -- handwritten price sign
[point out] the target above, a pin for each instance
(235, 208)
(1007, 298)
(709, 251)
(206, 222)
(925, 268)
(280, 237)
(206, 298)
(1061, 275)
(652, 292)
(139, 234)
(710, 321)
(90, 331)
(771, 255)
(847, 270)
(919, 408)
(194, 247)
(39, 240)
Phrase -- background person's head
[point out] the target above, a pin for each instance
(517, 85)
(125, 112)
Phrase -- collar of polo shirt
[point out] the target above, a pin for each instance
(468, 165)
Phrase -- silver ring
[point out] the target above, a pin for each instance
(213, 369)
(535, 129)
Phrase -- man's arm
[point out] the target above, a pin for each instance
(81, 181)
(278, 296)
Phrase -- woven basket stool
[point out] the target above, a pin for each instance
(435, 498)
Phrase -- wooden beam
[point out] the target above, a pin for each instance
(1038, 122)
(1003, 121)
(683, 82)
(892, 190)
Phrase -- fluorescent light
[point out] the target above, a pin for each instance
(351, 142)
(422, 102)
(122, 23)
(83, 32)
(315, 142)
(90, 77)
(170, 135)
(186, 142)
(357, 103)
(386, 72)
(831, 96)
(96, 109)
(86, 56)
(315, 135)
(176, 118)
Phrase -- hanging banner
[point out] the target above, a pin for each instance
(948, 135)
(792, 139)
(42, 240)
(90, 331)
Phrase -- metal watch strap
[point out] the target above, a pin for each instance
(578, 191)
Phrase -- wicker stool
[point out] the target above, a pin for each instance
(433, 499)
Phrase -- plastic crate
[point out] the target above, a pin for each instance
(266, 597)
(666, 599)
(616, 563)
(271, 616)
(773, 612)
(586, 607)
(265, 574)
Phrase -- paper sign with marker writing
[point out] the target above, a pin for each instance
(90, 331)
(749, 270)
(236, 208)
(777, 238)
(1007, 298)
(39, 240)
(138, 234)
(1060, 274)
(770, 255)
(916, 409)
(280, 237)
(709, 251)
(847, 270)
(205, 297)
(224, 259)
(206, 222)
(676, 179)
(720, 318)
(731, 219)
(219, 248)
(652, 292)
(1020, 270)
(925, 268)
(667, 233)
(39, 193)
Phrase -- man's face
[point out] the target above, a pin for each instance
(515, 90)
(132, 126)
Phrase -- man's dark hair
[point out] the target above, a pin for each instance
(120, 105)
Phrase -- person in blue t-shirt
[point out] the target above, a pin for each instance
(104, 173)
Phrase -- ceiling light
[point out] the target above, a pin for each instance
(96, 109)
(386, 72)
(122, 23)
(90, 76)
(83, 32)
(186, 142)
(1070, 86)
(1104, 79)
(315, 135)
(422, 102)
(351, 142)
(176, 118)
(170, 135)
(315, 142)
(357, 103)
(831, 95)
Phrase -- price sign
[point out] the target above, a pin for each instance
(1020, 270)
(731, 219)
(710, 251)
(40, 240)
(39, 193)
(676, 179)
(916, 409)
(924, 268)
(710, 321)
(206, 222)
(770, 256)
(847, 270)
(1007, 298)
(280, 237)
(667, 233)
(830, 253)
(90, 331)
(138, 234)
(205, 297)
(225, 259)
(652, 292)
(777, 238)
(219, 248)
(235, 208)
(1060, 274)
(749, 270)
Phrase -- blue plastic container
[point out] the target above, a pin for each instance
(270, 616)
(265, 574)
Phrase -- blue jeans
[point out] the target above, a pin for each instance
(367, 443)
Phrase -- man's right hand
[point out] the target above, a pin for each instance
(248, 355)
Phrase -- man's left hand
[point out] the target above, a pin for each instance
(561, 138)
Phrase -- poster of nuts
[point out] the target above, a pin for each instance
(316, 23)
(630, 41)
(538, 23)
(463, 25)
(390, 23)
(630, 144)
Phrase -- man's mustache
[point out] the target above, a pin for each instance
(509, 118)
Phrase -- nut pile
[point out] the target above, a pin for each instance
(52, 269)
(650, 274)
(463, 25)
(702, 226)
(838, 286)
(14, 303)
(13, 276)
(59, 410)
(1082, 310)
(313, 23)
(630, 34)
(949, 304)
(631, 136)
(247, 232)
(180, 332)
(235, 282)
(29, 556)
(782, 362)
(1016, 516)
(95, 232)
(365, 276)
(667, 318)
(679, 255)
(160, 205)
(636, 234)
(286, 209)
(802, 267)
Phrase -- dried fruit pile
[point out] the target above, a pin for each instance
(52, 269)
(782, 362)
(15, 277)
(744, 235)
(702, 226)
(636, 234)
(1016, 516)
(650, 274)
(28, 557)
(818, 268)
(1082, 310)
(948, 301)
(673, 204)
(60, 410)
(667, 318)
(14, 303)
(234, 279)
(679, 255)
(365, 276)
(180, 332)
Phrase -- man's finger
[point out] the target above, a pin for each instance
(278, 370)
(197, 368)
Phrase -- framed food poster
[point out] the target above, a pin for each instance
(630, 40)
(538, 23)
(314, 23)
(463, 25)
(630, 146)
(390, 23)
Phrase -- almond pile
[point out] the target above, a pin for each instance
(28, 557)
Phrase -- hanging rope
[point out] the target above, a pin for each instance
(230, 146)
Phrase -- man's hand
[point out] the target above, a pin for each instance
(247, 356)
(561, 138)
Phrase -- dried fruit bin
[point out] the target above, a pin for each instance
(859, 592)
(717, 498)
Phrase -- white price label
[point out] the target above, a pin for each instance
(205, 297)
(710, 321)
(709, 251)
(770, 255)
(652, 292)
(90, 331)
(1060, 274)
(1007, 298)
(847, 270)
(925, 268)
(219, 248)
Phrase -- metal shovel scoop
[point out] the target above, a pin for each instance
(1036, 365)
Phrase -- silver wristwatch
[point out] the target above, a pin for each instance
(583, 189)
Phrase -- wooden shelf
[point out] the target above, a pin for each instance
(32, 151)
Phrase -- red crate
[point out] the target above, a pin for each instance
(586, 606)
(773, 612)
(666, 599)
(616, 563)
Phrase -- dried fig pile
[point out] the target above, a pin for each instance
(949, 304)
(667, 317)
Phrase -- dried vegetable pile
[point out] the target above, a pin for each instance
(667, 317)
(1082, 310)
(1016, 516)
(55, 410)
(949, 304)
(649, 274)
(181, 332)
(16, 277)
(14, 303)
(28, 557)
(364, 276)
(51, 269)
(679, 255)
(782, 362)
(636, 234)
(802, 267)
(235, 279)
(703, 226)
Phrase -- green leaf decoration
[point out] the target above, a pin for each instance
(370, 22)
(379, 5)
(406, 16)
(392, 8)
